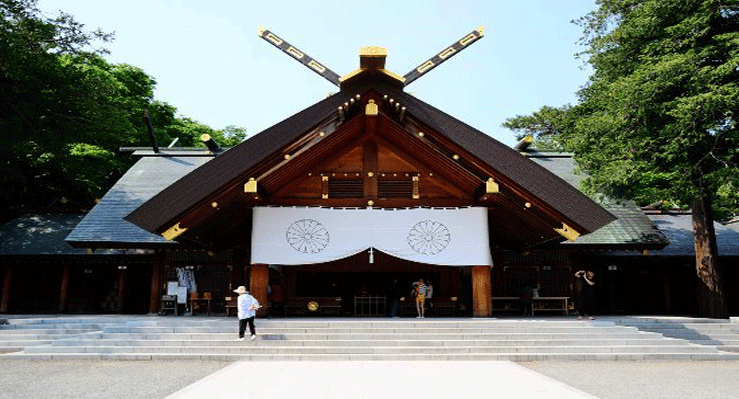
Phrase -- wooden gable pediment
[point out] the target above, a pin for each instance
(373, 151)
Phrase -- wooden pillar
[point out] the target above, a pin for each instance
(155, 298)
(481, 294)
(121, 288)
(258, 282)
(7, 286)
(64, 290)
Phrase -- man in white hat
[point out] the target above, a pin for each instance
(247, 306)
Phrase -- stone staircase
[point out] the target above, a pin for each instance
(723, 334)
(213, 338)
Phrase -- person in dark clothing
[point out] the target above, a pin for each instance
(587, 293)
(394, 294)
(526, 300)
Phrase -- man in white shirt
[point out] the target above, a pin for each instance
(247, 306)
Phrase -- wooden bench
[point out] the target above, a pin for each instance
(538, 304)
(445, 306)
(313, 306)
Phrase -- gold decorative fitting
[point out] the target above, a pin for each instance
(370, 202)
(318, 67)
(371, 108)
(491, 187)
(261, 30)
(481, 31)
(415, 178)
(420, 134)
(214, 204)
(295, 53)
(324, 196)
(372, 51)
(425, 67)
(173, 232)
(393, 75)
(528, 204)
(321, 134)
(204, 137)
(468, 39)
(568, 232)
(370, 174)
(312, 306)
(274, 39)
(324, 178)
(287, 156)
(455, 156)
(250, 186)
(447, 52)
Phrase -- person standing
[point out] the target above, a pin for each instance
(247, 306)
(587, 293)
(394, 294)
(419, 289)
(429, 297)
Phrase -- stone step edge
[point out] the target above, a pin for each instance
(416, 357)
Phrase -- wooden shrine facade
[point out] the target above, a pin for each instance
(372, 145)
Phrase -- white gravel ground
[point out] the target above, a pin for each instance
(83, 379)
(653, 380)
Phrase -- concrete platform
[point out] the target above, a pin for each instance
(372, 380)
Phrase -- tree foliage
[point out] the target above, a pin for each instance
(64, 111)
(657, 120)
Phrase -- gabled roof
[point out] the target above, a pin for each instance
(104, 227)
(223, 170)
(631, 230)
(38, 234)
(679, 230)
(229, 169)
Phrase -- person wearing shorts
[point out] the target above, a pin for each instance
(419, 289)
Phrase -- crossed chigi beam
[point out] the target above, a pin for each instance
(334, 78)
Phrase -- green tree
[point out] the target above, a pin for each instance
(658, 118)
(65, 111)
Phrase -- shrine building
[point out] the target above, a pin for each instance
(367, 187)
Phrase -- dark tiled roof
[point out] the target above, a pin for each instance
(104, 226)
(227, 167)
(38, 235)
(679, 230)
(539, 181)
(632, 226)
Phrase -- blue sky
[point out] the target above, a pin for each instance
(209, 62)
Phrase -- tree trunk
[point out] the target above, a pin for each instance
(711, 299)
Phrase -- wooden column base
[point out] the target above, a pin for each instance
(258, 282)
(481, 292)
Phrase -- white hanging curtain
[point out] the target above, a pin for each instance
(296, 236)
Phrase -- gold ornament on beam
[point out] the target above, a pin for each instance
(371, 108)
(250, 186)
(568, 232)
(173, 232)
(491, 187)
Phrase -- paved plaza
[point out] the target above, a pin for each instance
(88, 379)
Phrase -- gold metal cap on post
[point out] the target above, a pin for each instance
(372, 57)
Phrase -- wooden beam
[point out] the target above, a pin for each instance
(155, 296)
(7, 286)
(369, 168)
(121, 295)
(64, 290)
(481, 292)
(258, 283)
